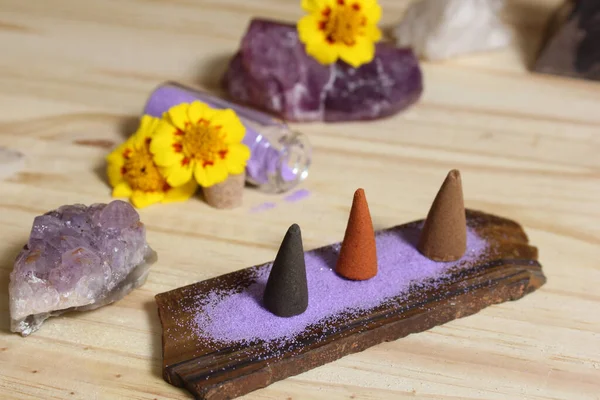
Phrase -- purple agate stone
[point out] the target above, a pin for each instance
(78, 258)
(272, 72)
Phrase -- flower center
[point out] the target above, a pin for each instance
(343, 23)
(202, 142)
(141, 173)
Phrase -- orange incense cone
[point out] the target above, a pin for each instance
(444, 236)
(358, 255)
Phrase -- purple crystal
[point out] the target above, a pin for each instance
(273, 72)
(78, 258)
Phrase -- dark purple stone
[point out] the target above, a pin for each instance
(572, 46)
(272, 72)
(286, 293)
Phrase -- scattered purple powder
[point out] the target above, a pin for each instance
(263, 207)
(240, 317)
(297, 195)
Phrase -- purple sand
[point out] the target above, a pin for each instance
(297, 195)
(264, 158)
(263, 207)
(240, 317)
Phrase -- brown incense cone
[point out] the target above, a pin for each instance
(358, 255)
(444, 236)
(227, 194)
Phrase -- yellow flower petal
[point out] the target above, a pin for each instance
(345, 22)
(164, 129)
(161, 147)
(177, 174)
(144, 199)
(236, 158)
(114, 171)
(373, 33)
(117, 153)
(322, 51)
(313, 5)
(372, 11)
(147, 123)
(138, 140)
(178, 115)
(199, 110)
(361, 53)
(231, 126)
(181, 193)
(308, 29)
(209, 175)
(122, 189)
(200, 175)
(168, 157)
(142, 137)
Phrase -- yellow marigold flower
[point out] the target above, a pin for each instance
(194, 140)
(344, 29)
(132, 172)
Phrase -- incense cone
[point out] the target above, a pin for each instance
(286, 293)
(227, 194)
(358, 255)
(444, 235)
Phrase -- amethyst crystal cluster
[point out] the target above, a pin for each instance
(78, 258)
(273, 72)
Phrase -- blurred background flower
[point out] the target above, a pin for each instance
(340, 29)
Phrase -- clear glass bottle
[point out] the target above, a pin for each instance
(280, 158)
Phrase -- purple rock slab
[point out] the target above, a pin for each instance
(272, 72)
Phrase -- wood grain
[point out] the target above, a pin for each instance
(78, 72)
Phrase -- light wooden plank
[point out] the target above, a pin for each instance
(75, 74)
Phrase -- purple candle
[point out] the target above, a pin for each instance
(279, 157)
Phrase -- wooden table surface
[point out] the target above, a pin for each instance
(74, 76)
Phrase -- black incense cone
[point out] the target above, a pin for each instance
(286, 293)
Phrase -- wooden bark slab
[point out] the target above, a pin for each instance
(209, 370)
